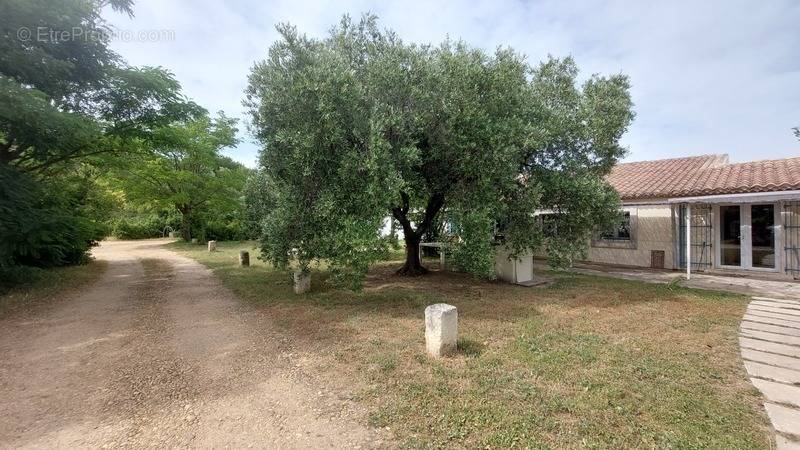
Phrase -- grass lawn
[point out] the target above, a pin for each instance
(584, 362)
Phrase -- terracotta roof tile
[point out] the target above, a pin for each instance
(703, 175)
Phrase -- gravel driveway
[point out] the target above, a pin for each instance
(158, 353)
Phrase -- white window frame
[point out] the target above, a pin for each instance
(746, 247)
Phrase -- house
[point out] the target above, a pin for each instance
(743, 217)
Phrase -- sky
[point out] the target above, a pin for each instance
(707, 76)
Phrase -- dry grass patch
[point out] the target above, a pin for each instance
(586, 362)
(47, 286)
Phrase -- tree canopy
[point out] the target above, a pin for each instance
(66, 102)
(182, 169)
(360, 126)
(64, 98)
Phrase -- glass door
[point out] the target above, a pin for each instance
(730, 239)
(762, 231)
(747, 236)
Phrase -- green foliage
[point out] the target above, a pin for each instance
(320, 133)
(143, 225)
(582, 205)
(475, 253)
(229, 227)
(39, 225)
(57, 67)
(257, 202)
(90, 101)
(361, 125)
(66, 100)
(14, 276)
(139, 228)
(574, 144)
(181, 169)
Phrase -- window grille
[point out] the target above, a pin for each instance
(791, 238)
(702, 234)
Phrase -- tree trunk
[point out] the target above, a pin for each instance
(413, 265)
(186, 229)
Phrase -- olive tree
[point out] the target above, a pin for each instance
(360, 126)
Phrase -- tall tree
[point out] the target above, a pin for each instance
(66, 98)
(361, 125)
(182, 168)
(64, 94)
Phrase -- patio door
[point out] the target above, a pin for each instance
(730, 239)
(762, 236)
(747, 236)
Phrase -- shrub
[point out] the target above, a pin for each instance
(39, 225)
(135, 228)
(12, 276)
(225, 230)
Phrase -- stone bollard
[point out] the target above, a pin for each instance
(302, 282)
(441, 329)
(194, 240)
(244, 258)
(212, 245)
(172, 234)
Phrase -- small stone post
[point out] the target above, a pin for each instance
(441, 329)
(212, 245)
(244, 258)
(302, 281)
(194, 240)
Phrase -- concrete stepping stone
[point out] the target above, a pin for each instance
(788, 306)
(768, 372)
(769, 339)
(773, 337)
(783, 443)
(772, 309)
(772, 315)
(778, 392)
(787, 362)
(772, 321)
(758, 326)
(772, 347)
(778, 300)
(784, 419)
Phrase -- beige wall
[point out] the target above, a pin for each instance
(653, 229)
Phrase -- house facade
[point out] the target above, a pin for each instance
(725, 217)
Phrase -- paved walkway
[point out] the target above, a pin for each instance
(770, 342)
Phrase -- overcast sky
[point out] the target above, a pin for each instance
(708, 76)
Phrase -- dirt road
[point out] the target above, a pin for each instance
(157, 353)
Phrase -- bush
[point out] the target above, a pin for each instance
(227, 230)
(39, 225)
(143, 227)
(13, 276)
